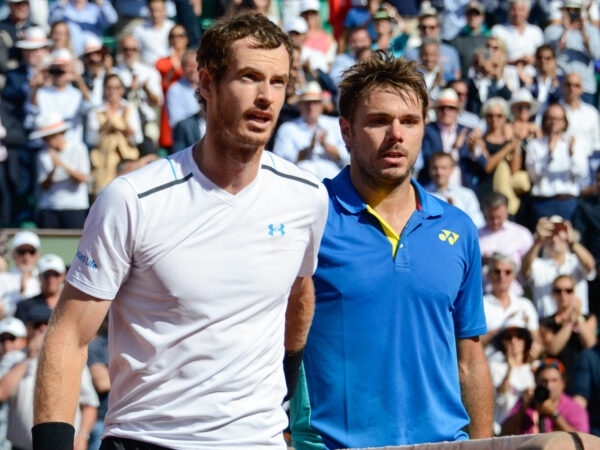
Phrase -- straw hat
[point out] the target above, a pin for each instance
(47, 124)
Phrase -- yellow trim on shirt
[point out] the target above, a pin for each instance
(392, 236)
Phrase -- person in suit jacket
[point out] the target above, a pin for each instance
(445, 134)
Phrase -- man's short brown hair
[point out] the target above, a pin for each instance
(380, 70)
(214, 52)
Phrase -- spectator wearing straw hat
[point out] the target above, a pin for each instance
(34, 47)
(93, 57)
(55, 92)
(446, 134)
(63, 167)
(313, 141)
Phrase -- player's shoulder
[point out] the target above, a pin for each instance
(288, 173)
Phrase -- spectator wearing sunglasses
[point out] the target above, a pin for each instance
(52, 271)
(567, 332)
(546, 407)
(21, 281)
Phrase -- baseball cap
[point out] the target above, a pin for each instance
(298, 24)
(51, 262)
(25, 238)
(14, 326)
(309, 5)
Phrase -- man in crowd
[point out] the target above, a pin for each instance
(52, 271)
(370, 382)
(441, 166)
(500, 234)
(547, 408)
(22, 280)
(198, 330)
(561, 254)
(313, 141)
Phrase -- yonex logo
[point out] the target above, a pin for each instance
(448, 236)
(273, 229)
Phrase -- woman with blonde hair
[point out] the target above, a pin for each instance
(114, 130)
(504, 156)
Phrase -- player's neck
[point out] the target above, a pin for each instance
(394, 205)
(229, 169)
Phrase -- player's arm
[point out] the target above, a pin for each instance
(299, 314)
(73, 325)
(476, 387)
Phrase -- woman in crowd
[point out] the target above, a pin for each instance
(170, 71)
(504, 157)
(114, 130)
(514, 374)
(568, 331)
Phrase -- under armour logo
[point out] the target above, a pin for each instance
(273, 230)
(448, 236)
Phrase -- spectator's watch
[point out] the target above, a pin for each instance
(555, 415)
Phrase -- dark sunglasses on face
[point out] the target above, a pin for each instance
(7, 337)
(23, 251)
(558, 290)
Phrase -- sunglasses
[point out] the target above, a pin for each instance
(23, 251)
(499, 272)
(511, 336)
(558, 290)
(497, 116)
(552, 363)
(522, 106)
(7, 337)
(50, 274)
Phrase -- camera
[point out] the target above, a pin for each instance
(575, 15)
(540, 394)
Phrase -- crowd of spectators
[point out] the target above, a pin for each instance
(94, 88)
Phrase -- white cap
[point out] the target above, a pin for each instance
(92, 44)
(298, 24)
(35, 37)
(309, 5)
(51, 262)
(61, 56)
(47, 124)
(14, 326)
(26, 238)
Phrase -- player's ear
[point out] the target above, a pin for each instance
(206, 84)
(346, 131)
